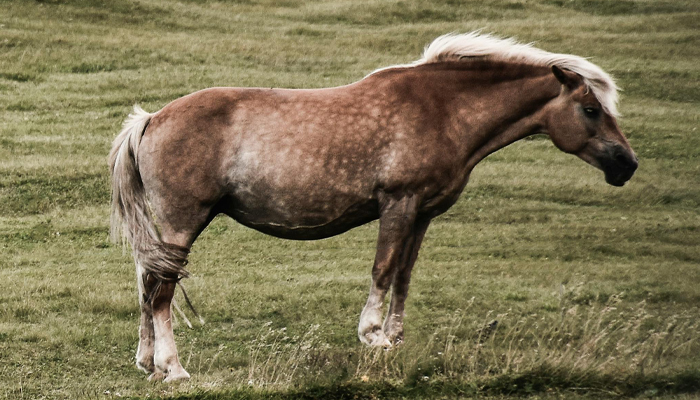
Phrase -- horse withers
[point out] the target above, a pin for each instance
(397, 146)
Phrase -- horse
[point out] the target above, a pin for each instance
(306, 164)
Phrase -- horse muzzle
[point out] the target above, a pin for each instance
(618, 165)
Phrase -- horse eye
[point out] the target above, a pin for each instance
(591, 112)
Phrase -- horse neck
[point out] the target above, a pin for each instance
(496, 104)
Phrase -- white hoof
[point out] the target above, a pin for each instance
(179, 375)
(376, 338)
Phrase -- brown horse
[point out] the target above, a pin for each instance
(397, 146)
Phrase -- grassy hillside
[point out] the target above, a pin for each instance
(596, 289)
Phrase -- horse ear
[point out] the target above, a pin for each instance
(566, 77)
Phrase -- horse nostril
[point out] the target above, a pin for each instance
(628, 162)
(634, 163)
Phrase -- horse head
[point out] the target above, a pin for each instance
(579, 124)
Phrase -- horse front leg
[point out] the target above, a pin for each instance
(396, 225)
(393, 324)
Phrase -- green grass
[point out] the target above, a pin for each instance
(596, 289)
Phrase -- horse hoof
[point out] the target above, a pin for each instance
(376, 338)
(396, 338)
(179, 375)
(156, 376)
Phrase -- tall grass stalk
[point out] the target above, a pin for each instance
(588, 343)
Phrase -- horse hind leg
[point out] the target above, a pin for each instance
(145, 351)
(157, 351)
(165, 358)
(166, 363)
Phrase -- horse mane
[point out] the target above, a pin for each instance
(459, 47)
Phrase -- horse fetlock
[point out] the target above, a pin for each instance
(370, 320)
(144, 356)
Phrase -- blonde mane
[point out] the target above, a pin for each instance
(455, 47)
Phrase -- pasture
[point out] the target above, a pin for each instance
(596, 289)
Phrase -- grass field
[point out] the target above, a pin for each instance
(596, 289)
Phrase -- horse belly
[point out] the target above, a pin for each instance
(300, 217)
(300, 197)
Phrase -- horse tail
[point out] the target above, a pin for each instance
(131, 219)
